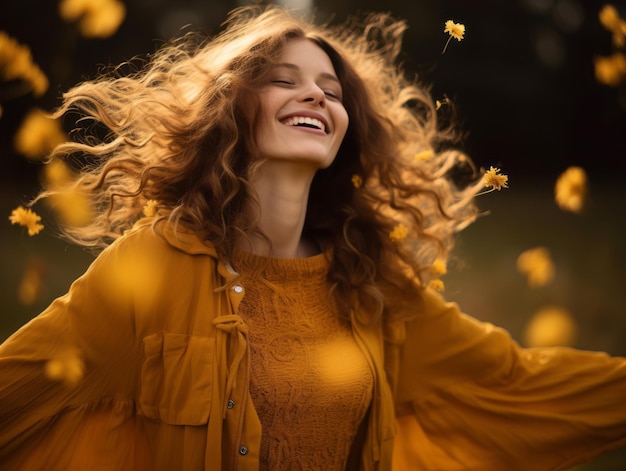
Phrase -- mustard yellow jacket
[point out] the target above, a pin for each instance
(144, 365)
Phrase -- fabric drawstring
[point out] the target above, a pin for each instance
(233, 325)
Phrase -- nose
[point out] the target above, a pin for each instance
(314, 94)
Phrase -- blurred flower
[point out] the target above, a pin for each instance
(537, 265)
(30, 288)
(424, 155)
(16, 63)
(26, 218)
(438, 268)
(440, 103)
(66, 366)
(399, 233)
(570, 189)
(551, 326)
(71, 204)
(611, 20)
(495, 180)
(38, 135)
(96, 18)
(437, 285)
(610, 70)
(357, 181)
(150, 208)
(455, 30)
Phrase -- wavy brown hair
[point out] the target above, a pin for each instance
(180, 131)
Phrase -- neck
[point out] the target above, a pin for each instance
(283, 191)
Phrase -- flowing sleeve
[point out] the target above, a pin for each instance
(68, 379)
(469, 398)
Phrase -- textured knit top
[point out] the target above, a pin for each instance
(310, 382)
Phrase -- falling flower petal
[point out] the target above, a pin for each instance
(66, 366)
(38, 135)
(610, 70)
(399, 233)
(16, 63)
(551, 327)
(357, 181)
(96, 18)
(537, 265)
(150, 208)
(424, 155)
(455, 30)
(570, 189)
(26, 218)
(437, 285)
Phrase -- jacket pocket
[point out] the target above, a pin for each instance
(177, 378)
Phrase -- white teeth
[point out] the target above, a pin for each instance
(296, 120)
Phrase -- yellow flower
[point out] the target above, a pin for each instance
(455, 30)
(537, 265)
(72, 205)
(30, 288)
(399, 233)
(26, 218)
(66, 366)
(357, 181)
(551, 326)
(438, 268)
(570, 189)
(610, 70)
(609, 18)
(38, 135)
(96, 18)
(150, 208)
(437, 285)
(16, 63)
(424, 155)
(495, 180)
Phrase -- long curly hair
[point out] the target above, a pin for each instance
(180, 131)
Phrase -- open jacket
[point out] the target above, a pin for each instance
(145, 365)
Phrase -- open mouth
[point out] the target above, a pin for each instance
(305, 122)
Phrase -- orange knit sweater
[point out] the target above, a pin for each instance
(311, 384)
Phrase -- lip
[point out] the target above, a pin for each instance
(307, 114)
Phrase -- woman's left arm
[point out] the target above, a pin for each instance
(479, 401)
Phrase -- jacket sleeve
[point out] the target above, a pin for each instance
(70, 370)
(469, 398)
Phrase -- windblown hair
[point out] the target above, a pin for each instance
(181, 131)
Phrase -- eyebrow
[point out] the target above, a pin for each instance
(325, 75)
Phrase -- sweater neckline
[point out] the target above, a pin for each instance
(281, 268)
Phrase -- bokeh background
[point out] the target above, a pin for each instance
(525, 94)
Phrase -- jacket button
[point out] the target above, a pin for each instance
(243, 450)
(238, 289)
(230, 404)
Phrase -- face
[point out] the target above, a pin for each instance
(302, 116)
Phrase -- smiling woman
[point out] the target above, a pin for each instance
(272, 204)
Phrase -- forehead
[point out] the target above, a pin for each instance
(305, 54)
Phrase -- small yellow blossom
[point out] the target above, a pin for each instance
(357, 181)
(610, 70)
(609, 18)
(66, 366)
(16, 63)
(455, 30)
(96, 18)
(26, 218)
(495, 180)
(38, 135)
(438, 268)
(424, 155)
(30, 288)
(570, 189)
(551, 326)
(437, 285)
(537, 265)
(150, 208)
(399, 233)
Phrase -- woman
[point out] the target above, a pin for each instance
(272, 313)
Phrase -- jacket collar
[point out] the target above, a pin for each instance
(178, 236)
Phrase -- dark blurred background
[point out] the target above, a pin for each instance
(523, 84)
